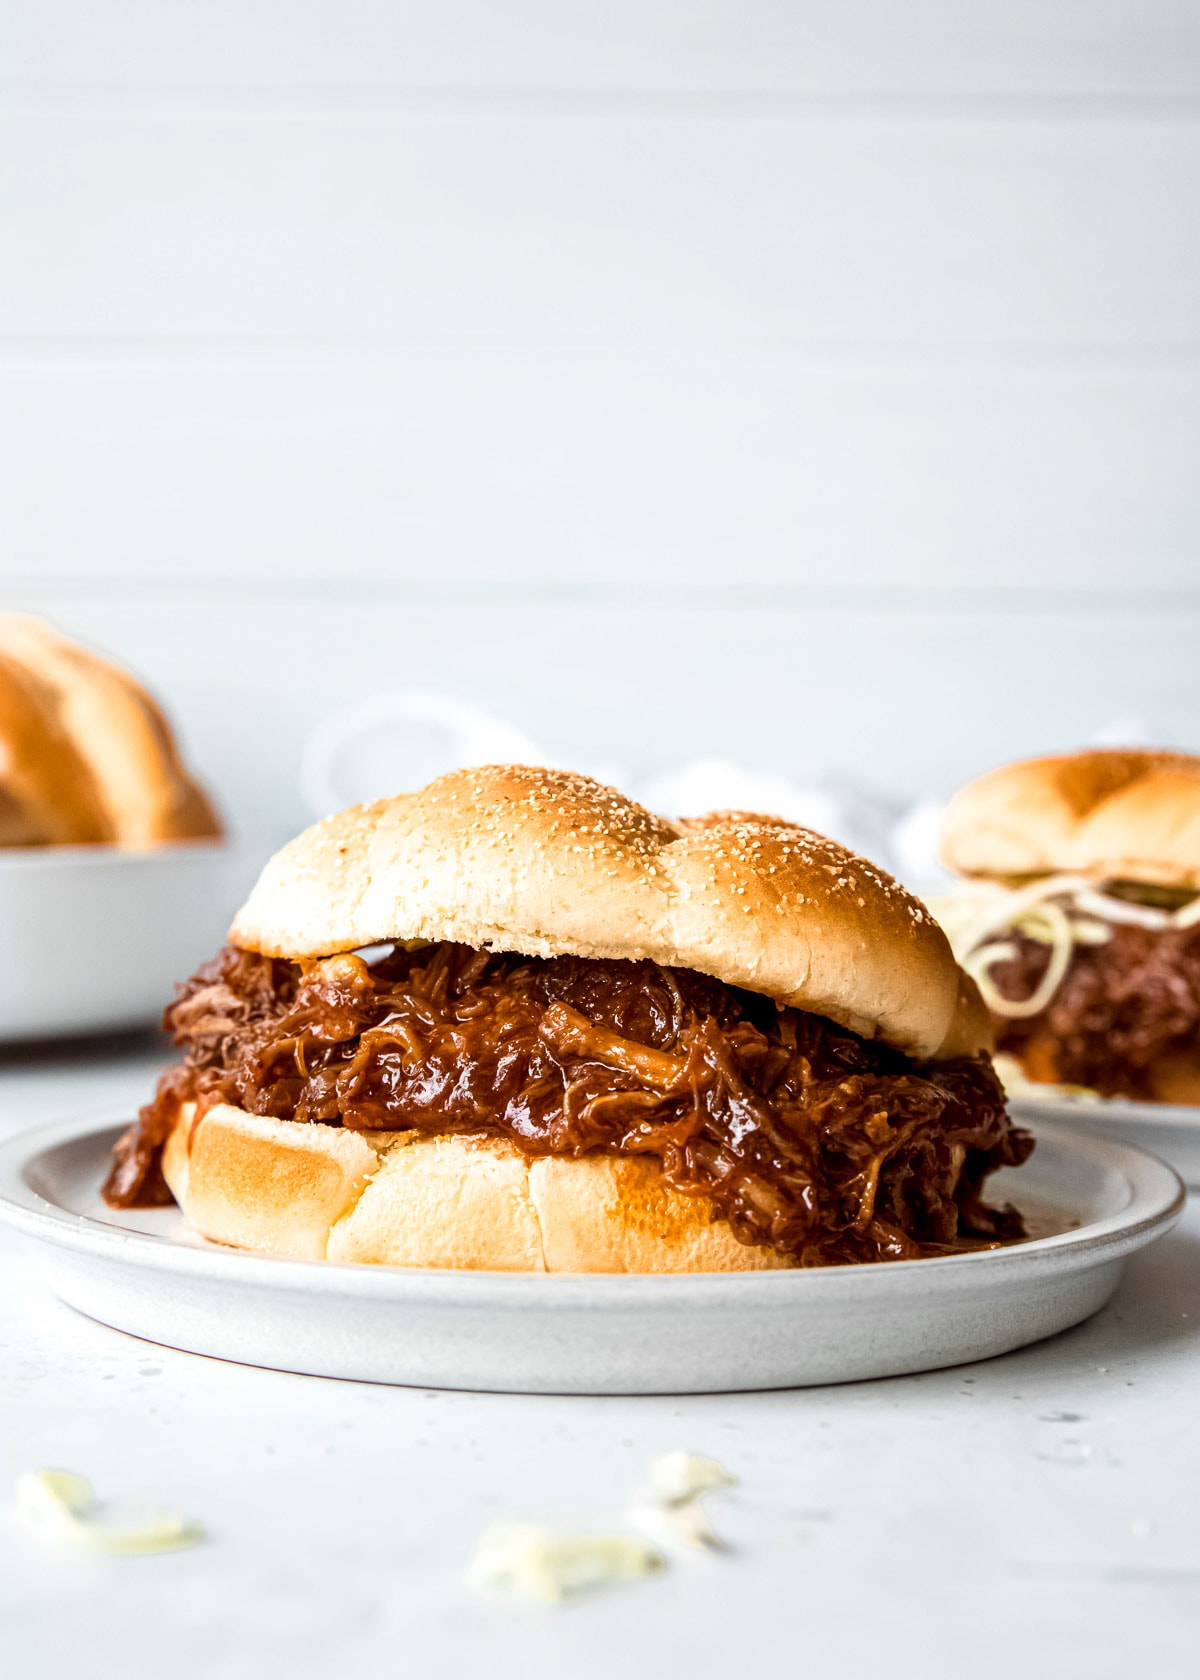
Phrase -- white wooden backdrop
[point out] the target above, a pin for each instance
(809, 382)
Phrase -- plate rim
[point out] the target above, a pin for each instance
(1181, 1117)
(1157, 1199)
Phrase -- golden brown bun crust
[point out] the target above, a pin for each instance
(1108, 814)
(1173, 1079)
(46, 794)
(544, 862)
(400, 1199)
(971, 1031)
(107, 749)
(1176, 1079)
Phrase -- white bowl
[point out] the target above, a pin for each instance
(93, 938)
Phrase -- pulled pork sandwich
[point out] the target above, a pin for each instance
(1083, 926)
(515, 1021)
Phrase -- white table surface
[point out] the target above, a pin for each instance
(1032, 1515)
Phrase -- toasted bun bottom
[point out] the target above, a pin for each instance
(1174, 1079)
(316, 1192)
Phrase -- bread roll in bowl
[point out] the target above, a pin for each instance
(86, 756)
(46, 794)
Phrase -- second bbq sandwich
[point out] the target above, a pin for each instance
(1082, 925)
(516, 1021)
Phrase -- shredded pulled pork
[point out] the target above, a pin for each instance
(805, 1137)
(1122, 1008)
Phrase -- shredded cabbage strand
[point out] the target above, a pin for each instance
(1060, 911)
(60, 1507)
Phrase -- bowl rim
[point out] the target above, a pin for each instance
(109, 854)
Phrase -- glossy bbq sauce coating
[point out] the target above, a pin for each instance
(805, 1137)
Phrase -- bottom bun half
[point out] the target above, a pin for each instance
(314, 1192)
(1172, 1080)
(1176, 1079)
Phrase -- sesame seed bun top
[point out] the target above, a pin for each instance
(547, 863)
(1109, 814)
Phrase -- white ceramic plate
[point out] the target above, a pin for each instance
(1091, 1203)
(93, 938)
(1165, 1129)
